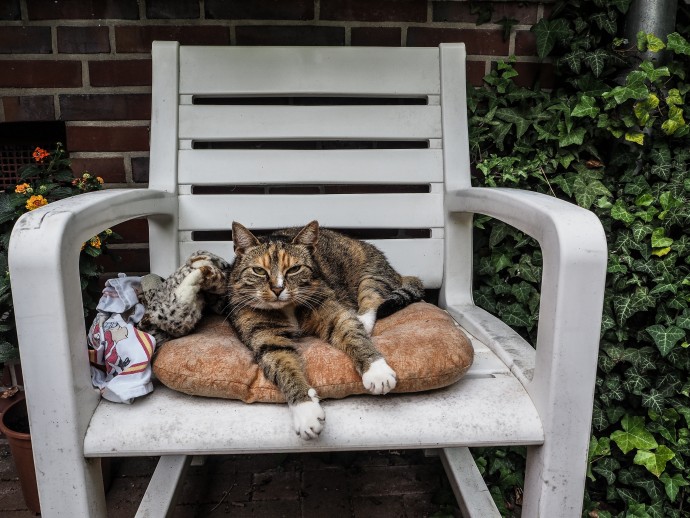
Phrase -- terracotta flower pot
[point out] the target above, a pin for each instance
(15, 425)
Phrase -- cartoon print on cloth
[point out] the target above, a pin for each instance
(120, 354)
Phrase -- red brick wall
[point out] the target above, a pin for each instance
(87, 62)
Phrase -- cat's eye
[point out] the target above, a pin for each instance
(294, 269)
(259, 271)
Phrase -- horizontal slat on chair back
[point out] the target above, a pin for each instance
(256, 118)
(308, 71)
(216, 212)
(223, 123)
(286, 166)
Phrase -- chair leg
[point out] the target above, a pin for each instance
(83, 496)
(161, 495)
(554, 481)
(469, 488)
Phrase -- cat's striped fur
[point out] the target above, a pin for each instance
(317, 282)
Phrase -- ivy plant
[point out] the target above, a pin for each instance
(613, 137)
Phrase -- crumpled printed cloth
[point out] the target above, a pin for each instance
(119, 353)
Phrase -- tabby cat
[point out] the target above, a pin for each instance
(313, 281)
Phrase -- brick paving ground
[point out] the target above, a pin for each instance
(385, 484)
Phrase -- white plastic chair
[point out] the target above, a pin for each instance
(513, 395)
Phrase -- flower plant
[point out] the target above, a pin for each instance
(49, 178)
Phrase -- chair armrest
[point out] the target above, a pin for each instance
(574, 269)
(44, 272)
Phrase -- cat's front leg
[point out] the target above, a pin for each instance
(379, 378)
(308, 417)
(343, 329)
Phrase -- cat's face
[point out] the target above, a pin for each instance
(274, 274)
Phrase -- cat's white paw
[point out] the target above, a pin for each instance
(368, 320)
(188, 289)
(379, 378)
(308, 417)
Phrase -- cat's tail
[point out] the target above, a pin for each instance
(411, 290)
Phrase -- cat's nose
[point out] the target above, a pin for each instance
(277, 290)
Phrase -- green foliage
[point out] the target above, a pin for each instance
(612, 137)
(49, 179)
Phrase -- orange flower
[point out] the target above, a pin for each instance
(21, 188)
(100, 180)
(35, 202)
(39, 154)
(95, 242)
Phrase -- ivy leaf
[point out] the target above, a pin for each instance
(655, 461)
(672, 484)
(619, 212)
(653, 401)
(659, 239)
(596, 60)
(548, 33)
(586, 107)
(675, 120)
(664, 337)
(635, 136)
(654, 73)
(634, 435)
(607, 468)
(634, 90)
(678, 44)
(654, 44)
(605, 23)
(516, 316)
(574, 60)
(576, 136)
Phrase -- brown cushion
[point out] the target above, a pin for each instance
(422, 343)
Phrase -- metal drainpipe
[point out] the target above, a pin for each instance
(656, 17)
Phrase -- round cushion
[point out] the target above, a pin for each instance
(421, 343)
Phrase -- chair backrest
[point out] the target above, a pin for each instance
(362, 139)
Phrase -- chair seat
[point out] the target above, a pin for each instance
(169, 422)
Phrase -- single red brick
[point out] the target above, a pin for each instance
(112, 170)
(25, 40)
(478, 41)
(259, 10)
(133, 231)
(9, 10)
(289, 35)
(40, 74)
(82, 9)
(380, 11)
(114, 138)
(140, 169)
(29, 108)
(139, 38)
(461, 12)
(83, 40)
(531, 73)
(165, 9)
(92, 107)
(376, 36)
(475, 72)
(525, 43)
(126, 72)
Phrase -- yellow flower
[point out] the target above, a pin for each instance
(100, 180)
(35, 202)
(86, 176)
(21, 188)
(95, 242)
(108, 232)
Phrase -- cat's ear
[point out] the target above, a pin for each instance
(242, 238)
(308, 236)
